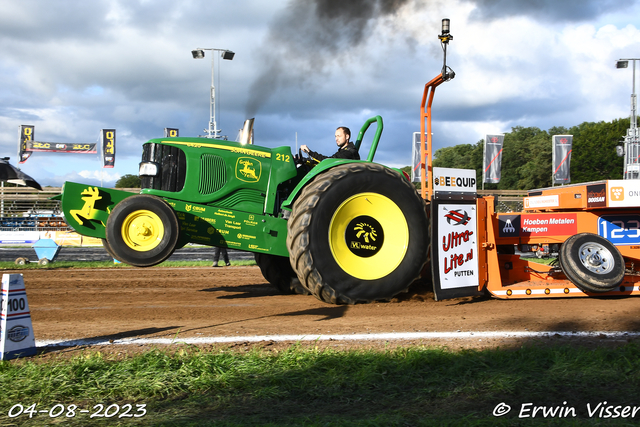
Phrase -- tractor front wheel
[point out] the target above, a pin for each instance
(358, 233)
(142, 231)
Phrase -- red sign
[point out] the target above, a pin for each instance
(548, 225)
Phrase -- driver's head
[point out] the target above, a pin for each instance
(343, 134)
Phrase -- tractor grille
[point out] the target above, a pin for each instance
(213, 173)
(173, 167)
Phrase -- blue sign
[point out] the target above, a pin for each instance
(620, 229)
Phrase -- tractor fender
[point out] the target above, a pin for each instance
(86, 208)
(321, 168)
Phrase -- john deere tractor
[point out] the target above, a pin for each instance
(346, 231)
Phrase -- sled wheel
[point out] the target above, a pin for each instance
(21, 261)
(358, 233)
(43, 262)
(592, 263)
(277, 271)
(142, 231)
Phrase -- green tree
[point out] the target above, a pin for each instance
(527, 155)
(594, 155)
(128, 181)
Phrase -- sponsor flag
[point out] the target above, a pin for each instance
(492, 159)
(108, 140)
(26, 135)
(415, 158)
(562, 158)
(171, 133)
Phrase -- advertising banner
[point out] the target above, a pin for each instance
(537, 225)
(624, 193)
(456, 247)
(492, 159)
(108, 140)
(26, 135)
(59, 147)
(454, 180)
(562, 147)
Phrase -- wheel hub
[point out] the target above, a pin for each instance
(596, 258)
(368, 236)
(142, 230)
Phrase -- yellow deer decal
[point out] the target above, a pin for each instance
(91, 196)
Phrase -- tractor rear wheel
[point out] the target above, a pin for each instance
(277, 271)
(591, 262)
(142, 231)
(358, 233)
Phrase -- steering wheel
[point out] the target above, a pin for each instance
(300, 159)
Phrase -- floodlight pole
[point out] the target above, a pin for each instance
(632, 139)
(212, 131)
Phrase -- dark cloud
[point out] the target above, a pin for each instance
(551, 10)
(25, 21)
(310, 38)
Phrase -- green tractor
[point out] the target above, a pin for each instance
(346, 231)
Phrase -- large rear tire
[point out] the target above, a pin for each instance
(142, 231)
(591, 262)
(277, 271)
(358, 233)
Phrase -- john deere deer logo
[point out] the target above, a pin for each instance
(90, 196)
(248, 169)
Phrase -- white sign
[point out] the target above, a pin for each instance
(454, 180)
(19, 237)
(17, 331)
(534, 202)
(457, 246)
(624, 192)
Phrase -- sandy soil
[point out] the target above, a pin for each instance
(236, 301)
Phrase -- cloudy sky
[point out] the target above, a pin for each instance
(302, 68)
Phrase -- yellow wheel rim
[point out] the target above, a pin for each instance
(368, 236)
(142, 230)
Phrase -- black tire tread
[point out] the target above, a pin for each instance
(577, 273)
(278, 272)
(298, 241)
(119, 248)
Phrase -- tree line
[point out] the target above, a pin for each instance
(526, 155)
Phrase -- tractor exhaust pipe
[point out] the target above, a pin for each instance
(246, 134)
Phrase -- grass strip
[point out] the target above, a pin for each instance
(420, 386)
(6, 265)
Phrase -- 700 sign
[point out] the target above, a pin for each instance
(620, 229)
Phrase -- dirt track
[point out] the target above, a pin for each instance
(236, 301)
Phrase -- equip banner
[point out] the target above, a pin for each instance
(562, 158)
(492, 159)
(108, 140)
(454, 180)
(26, 135)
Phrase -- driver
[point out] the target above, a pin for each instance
(346, 149)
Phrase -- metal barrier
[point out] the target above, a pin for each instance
(27, 209)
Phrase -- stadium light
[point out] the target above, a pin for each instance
(632, 139)
(198, 53)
